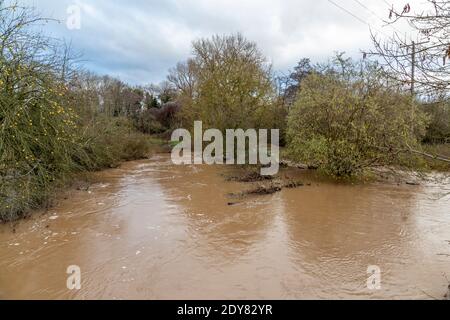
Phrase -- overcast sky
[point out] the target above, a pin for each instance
(139, 40)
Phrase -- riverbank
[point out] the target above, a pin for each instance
(135, 146)
(442, 150)
(108, 145)
(411, 171)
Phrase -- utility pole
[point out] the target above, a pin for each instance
(413, 79)
(413, 68)
(413, 47)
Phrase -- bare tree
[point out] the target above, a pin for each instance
(183, 77)
(419, 60)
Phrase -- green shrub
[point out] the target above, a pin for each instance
(438, 130)
(344, 122)
(147, 122)
(441, 150)
(38, 129)
(108, 141)
(102, 144)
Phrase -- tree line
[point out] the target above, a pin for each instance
(342, 116)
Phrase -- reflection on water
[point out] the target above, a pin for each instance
(150, 230)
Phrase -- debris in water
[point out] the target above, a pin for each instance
(259, 190)
(265, 189)
(293, 184)
(83, 186)
(291, 164)
(253, 176)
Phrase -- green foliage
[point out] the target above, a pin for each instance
(438, 131)
(49, 129)
(102, 144)
(37, 122)
(442, 150)
(147, 122)
(227, 84)
(56, 122)
(38, 139)
(108, 141)
(151, 102)
(346, 119)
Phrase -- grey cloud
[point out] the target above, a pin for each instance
(139, 40)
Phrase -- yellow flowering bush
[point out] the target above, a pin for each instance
(42, 139)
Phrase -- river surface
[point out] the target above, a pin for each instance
(151, 230)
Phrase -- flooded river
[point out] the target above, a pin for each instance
(151, 230)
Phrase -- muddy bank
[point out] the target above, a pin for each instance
(151, 230)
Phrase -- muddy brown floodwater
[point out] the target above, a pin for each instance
(151, 230)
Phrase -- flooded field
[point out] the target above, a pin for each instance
(151, 230)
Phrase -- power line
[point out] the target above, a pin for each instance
(389, 4)
(413, 45)
(355, 16)
(375, 14)
(365, 7)
(348, 12)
